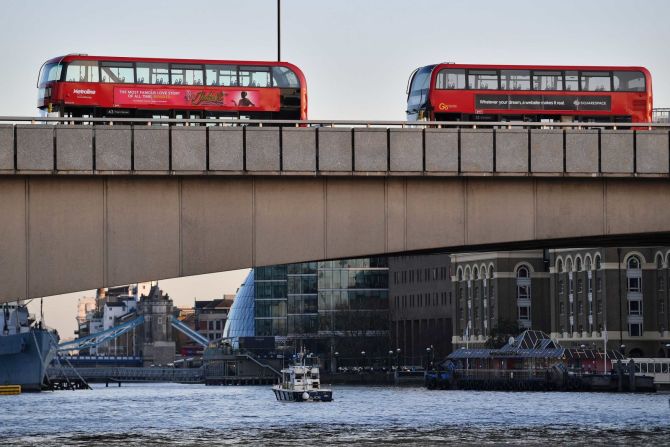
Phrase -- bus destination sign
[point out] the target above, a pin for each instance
(544, 102)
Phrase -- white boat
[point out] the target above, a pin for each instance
(301, 383)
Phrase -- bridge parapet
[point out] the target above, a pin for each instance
(188, 147)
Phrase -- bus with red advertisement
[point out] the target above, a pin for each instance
(460, 92)
(79, 85)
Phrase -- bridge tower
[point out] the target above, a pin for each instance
(157, 345)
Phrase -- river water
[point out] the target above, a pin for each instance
(190, 415)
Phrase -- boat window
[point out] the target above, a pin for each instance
(664, 368)
(657, 368)
(643, 367)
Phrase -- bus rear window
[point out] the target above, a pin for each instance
(628, 81)
(284, 78)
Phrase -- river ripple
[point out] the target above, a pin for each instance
(190, 415)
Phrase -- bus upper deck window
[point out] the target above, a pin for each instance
(571, 81)
(150, 73)
(284, 77)
(221, 75)
(547, 80)
(628, 81)
(255, 77)
(515, 79)
(186, 74)
(451, 79)
(82, 71)
(596, 81)
(50, 72)
(117, 72)
(483, 79)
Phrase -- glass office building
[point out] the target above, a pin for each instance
(318, 302)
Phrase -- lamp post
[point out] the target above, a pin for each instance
(428, 352)
(397, 358)
(390, 359)
(278, 30)
(363, 355)
(667, 349)
(335, 354)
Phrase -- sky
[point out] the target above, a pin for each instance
(356, 55)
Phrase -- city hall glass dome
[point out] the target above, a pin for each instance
(240, 322)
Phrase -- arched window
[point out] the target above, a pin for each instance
(634, 295)
(659, 262)
(559, 266)
(475, 273)
(459, 274)
(568, 264)
(587, 263)
(523, 296)
(598, 266)
(578, 263)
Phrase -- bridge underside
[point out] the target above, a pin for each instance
(71, 233)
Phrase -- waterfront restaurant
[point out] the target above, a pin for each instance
(533, 351)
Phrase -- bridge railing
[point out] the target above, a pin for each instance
(121, 146)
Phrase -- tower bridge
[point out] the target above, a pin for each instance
(85, 206)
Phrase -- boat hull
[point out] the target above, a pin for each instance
(299, 396)
(23, 359)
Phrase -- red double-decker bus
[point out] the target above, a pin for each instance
(458, 92)
(99, 86)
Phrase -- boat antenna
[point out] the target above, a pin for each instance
(42, 311)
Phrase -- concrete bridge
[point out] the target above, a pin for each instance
(87, 206)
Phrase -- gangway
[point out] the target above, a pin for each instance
(92, 340)
(190, 333)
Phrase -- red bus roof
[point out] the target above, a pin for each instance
(544, 67)
(165, 60)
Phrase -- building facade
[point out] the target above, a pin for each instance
(499, 293)
(337, 308)
(210, 316)
(618, 295)
(420, 308)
